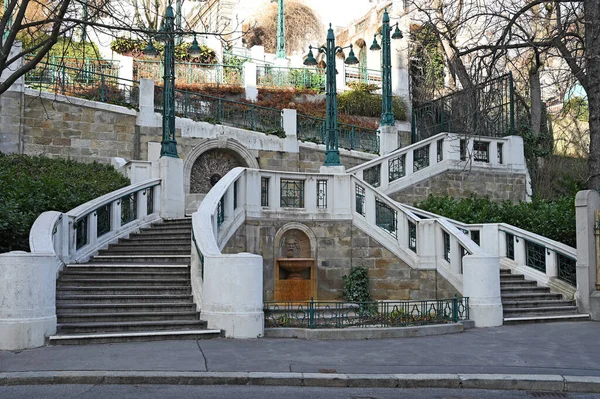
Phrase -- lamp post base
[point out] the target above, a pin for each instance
(169, 149)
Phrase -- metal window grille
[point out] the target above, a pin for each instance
(292, 194)
(421, 158)
(360, 200)
(235, 194)
(481, 151)
(385, 217)
(150, 200)
(446, 238)
(535, 256)
(221, 212)
(463, 150)
(322, 194)
(412, 236)
(397, 168)
(128, 208)
(372, 175)
(81, 232)
(440, 150)
(500, 156)
(476, 236)
(103, 220)
(510, 246)
(264, 191)
(566, 269)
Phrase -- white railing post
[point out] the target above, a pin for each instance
(384, 178)
(427, 244)
(142, 204)
(250, 81)
(310, 194)
(551, 266)
(410, 162)
(520, 252)
(481, 283)
(494, 153)
(290, 127)
(489, 239)
(146, 103)
(455, 255)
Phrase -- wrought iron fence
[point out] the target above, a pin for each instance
(567, 270)
(302, 78)
(81, 83)
(362, 75)
(201, 107)
(487, 109)
(350, 137)
(191, 72)
(319, 314)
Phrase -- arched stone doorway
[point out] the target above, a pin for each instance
(207, 163)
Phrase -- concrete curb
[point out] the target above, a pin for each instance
(552, 383)
(364, 332)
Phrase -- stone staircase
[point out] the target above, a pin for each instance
(524, 302)
(136, 290)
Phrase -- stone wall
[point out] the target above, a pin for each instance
(341, 245)
(10, 122)
(62, 129)
(312, 158)
(499, 186)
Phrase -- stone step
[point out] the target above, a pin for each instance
(66, 282)
(146, 259)
(157, 248)
(128, 317)
(526, 284)
(511, 277)
(186, 221)
(126, 290)
(545, 319)
(144, 252)
(524, 290)
(534, 304)
(505, 271)
(68, 300)
(166, 231)
(104, 338)
(123, 267)
(69, 275)
(540, 311)
(135, 326)
(530, 296)
(187, 235)
(136, 307)
(152, 242)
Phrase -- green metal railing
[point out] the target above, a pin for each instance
(362, 75)
(351, 137)
(301, 78)
(75, 82)
(319, 314)
(191, 72)
(487, 109)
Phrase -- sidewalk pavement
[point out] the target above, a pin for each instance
(552, 357)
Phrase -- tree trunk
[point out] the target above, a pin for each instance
(535, 91)
(592, 87)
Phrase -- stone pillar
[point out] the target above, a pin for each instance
(28, 298)
(250, 80)
(146, 114)
(340, 79)
(257, 53)
(290, 126)
(481, 284)
(172, 197)
(588, 293)
(233, 294)
(388, 139)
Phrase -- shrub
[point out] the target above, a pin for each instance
(553, 219)
(32, 185)
(363, 103)
(356, 285)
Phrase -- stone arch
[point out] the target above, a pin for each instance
(233, 154)
(285, 229)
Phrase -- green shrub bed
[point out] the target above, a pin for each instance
(32, 185)
(552, 219)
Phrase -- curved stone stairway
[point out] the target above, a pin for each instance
(524, 302)
(136, 290)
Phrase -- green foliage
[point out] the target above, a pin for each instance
(363, 87)
(363, 103)
(135, 47)
(64, 47)
(32, 185)
(577, 107)
(553, 219)
(356, 285)
(427, 63)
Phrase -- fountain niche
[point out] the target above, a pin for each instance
(295, 274)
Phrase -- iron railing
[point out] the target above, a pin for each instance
(319, 314)
(191, 72)
(301, 78)
(81, 83)
(487, 109)
(312, 129)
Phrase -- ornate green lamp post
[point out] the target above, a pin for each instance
(387, 113)
(167, 34)
(280, 30)
(332, 157)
